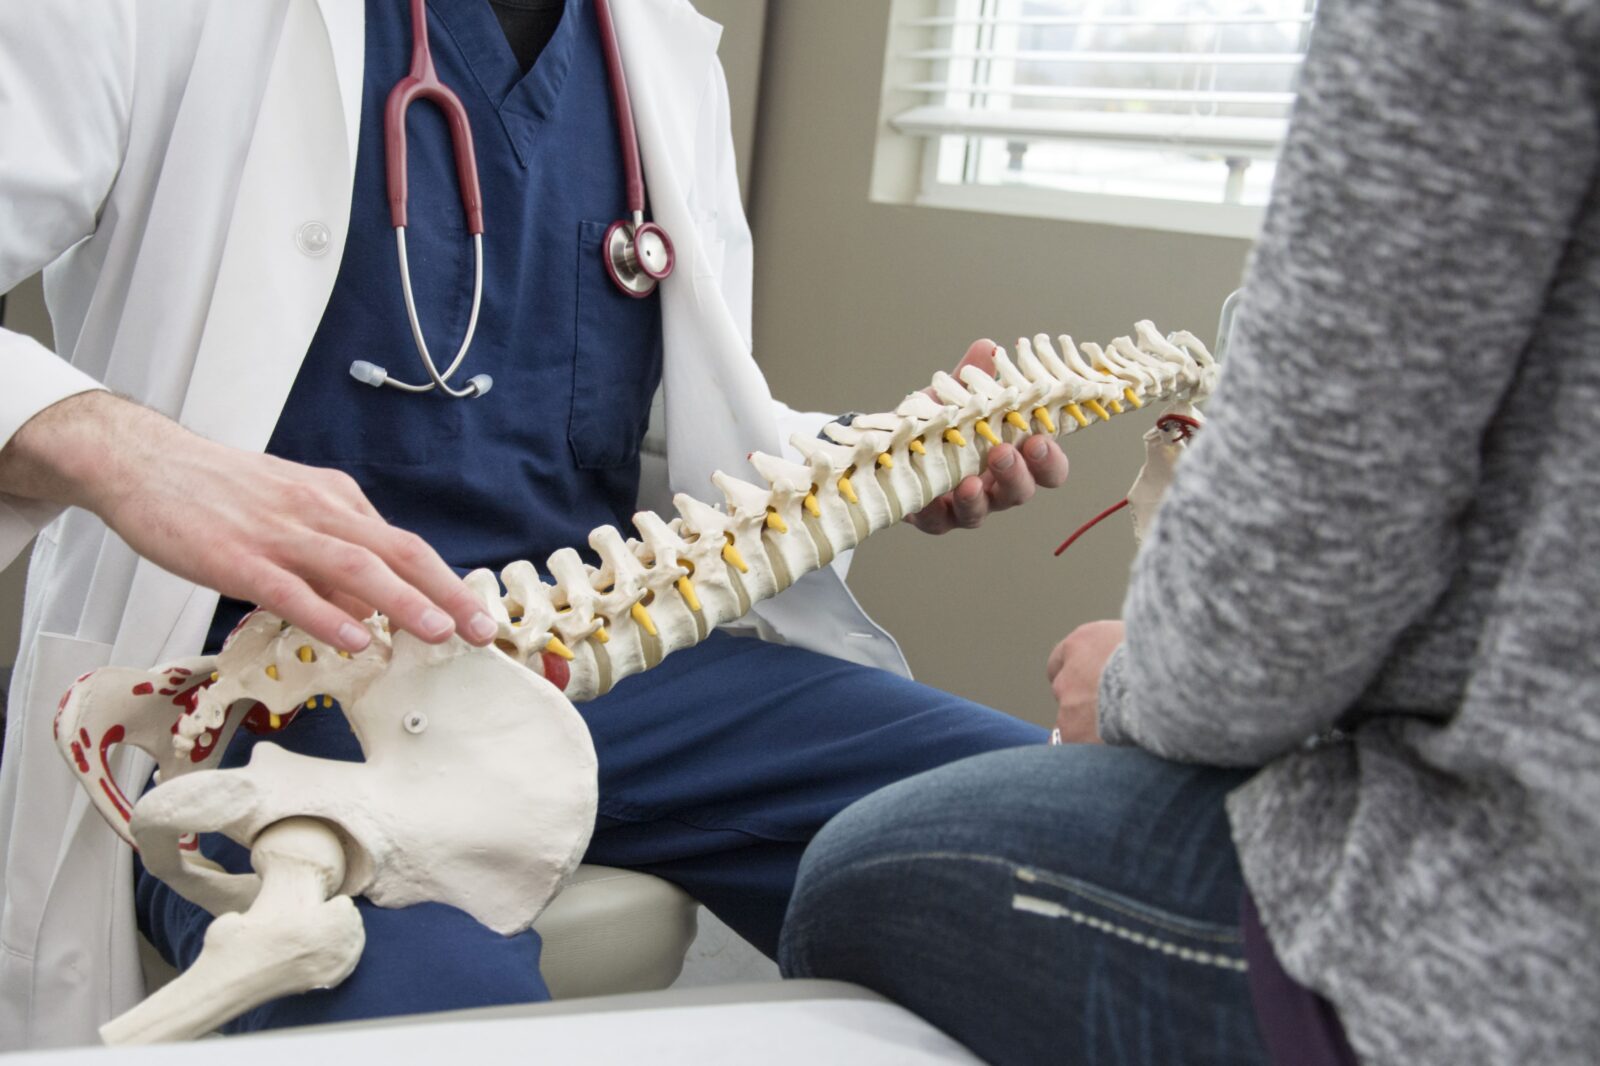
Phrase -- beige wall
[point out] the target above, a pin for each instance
(856, 303)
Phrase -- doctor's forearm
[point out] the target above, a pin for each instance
(301, 541)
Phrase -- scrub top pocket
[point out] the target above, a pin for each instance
(616, 362)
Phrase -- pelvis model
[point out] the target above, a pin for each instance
(478, 788)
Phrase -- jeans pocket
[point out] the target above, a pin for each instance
(616, 362)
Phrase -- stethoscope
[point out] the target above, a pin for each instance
(638, 254)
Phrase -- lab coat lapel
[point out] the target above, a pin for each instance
(718, 406)
(278, 267)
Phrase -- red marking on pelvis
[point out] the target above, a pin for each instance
(143, 688)
(79, 758)
(114, 794)
(556, 670)
(112, 736)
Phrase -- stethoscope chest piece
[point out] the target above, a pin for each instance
(638, 256)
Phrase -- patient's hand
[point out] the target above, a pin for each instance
(1074, 668)
(1006, 482)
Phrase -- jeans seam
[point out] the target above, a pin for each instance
(1045, 908)
(1109, 900)
(1076, 887)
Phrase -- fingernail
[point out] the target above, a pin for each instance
(1004, 461)
(1038, 448)
(353, 637)
(482, 627)
(435, 623)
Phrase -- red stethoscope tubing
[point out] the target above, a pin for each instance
(627, 135)
(423, 83)
(638, 254)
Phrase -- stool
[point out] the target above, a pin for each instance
(608, 932)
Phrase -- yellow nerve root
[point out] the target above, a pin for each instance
(886, 461)
(847, 490)
(602, 635)
(1100, 412)
(1017, 421)
(917, 447)
(812, 505)
(731, 556)
(642, 616)
(776, 523)
(1042, 416)
(686, 590)
(982, 427)
(1133, 398)
(1078, 416)
(954, 437)
(554, 644)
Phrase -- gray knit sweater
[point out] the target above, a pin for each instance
(1378, 572)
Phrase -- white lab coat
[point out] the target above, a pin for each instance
(170, 163)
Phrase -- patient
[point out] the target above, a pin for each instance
(1349, 806)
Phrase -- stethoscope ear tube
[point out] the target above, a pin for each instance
(638, 254)
(376, 376)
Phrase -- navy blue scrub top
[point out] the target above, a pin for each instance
(553, 450)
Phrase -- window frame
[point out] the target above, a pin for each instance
(906, 165)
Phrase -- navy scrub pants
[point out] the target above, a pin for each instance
(716, 769)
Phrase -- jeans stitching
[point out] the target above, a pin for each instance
(1110, 901)
(1049, 909)
(1072, 885)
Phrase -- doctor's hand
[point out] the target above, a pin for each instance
(1074, 669)
(300, 541)
(1011, 476)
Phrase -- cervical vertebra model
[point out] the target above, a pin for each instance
(478, 787)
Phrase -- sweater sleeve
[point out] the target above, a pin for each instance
(1439, 152)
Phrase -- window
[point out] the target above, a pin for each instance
(1160, 113)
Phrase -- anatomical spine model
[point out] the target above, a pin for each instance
(478, 788)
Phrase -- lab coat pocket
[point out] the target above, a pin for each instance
(616, 362)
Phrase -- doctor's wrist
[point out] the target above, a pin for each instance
(82, 451)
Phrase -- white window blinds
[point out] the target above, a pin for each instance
(1178, 100)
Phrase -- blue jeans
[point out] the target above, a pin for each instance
(716, 769)
(1069, 904)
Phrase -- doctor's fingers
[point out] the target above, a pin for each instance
(396, 572)
(288, 596)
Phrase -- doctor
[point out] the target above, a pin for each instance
(204, 183)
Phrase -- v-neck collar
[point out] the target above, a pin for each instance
(523, 101)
